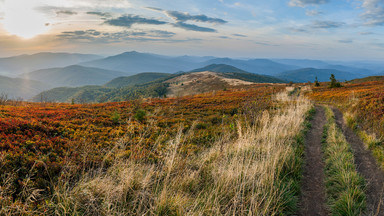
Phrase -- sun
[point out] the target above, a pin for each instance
(22, 19)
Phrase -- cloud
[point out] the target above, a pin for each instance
(318, 24)
(299, 30)
(183, 17)
(192, 27)
(313, 12)
(345, 41)
(239, 35)
(129, 20)
(366, 33)
(101, 14)
(374, 12)
(155, 8)
(92, 35)
(303, 3)
(66, 12)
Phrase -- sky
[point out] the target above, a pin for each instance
(310, 29)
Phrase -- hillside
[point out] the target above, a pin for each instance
(220, 68)
(135, 79)
(367, 79)
(100, 94)
(135, 62)
(200, 82)
(15, 65)
(232, 72)
(257, 66)
(211, 78)
(84, 94)
(310, 74)
(73, 76)
(21, 88)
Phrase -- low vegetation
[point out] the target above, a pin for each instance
(344, 186)
(363, 106)
(231, 152)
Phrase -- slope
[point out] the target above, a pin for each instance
(232, 72)
(17, 87)
(135, 79)
(15, 65)
(258, 66)
(135, 62)
(73, 76)
(310, 74)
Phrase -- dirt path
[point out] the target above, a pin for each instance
(313, 199)
(367, 166)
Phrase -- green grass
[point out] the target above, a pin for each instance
(344, 186)
(372, 142)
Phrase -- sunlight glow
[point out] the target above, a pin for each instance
(22, 19)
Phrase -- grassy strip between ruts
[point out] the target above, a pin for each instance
(375, 144)
(344, 186)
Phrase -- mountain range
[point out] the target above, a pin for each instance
(74, 75)
(13, 66)
(50, 70)
(210, 78)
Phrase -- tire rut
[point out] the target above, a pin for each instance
(313, 198)
(366, 166)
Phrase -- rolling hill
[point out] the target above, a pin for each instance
(210, 78)
(21, 88)
(232, 72)
(310, 74)
(135, 62)
(137, 79)
(367, 79)
(257, 66)
(13, 66)
(73, 76)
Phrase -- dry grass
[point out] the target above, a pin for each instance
(255, 174)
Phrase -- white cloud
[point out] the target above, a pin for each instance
(303, 3)
(313, 12)
(374, 12)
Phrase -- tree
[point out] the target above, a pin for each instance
(334, 83)
(317, 82)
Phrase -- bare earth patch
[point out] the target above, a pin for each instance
(312, 200)
(200, 82)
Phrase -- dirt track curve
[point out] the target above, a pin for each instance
(312, 200)
(367, 167)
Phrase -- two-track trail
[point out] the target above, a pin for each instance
(313, 199)
(367, 167)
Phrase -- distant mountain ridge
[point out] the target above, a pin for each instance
(210, 78)
(21, 88)
(16, 65)
(310, 74)
(134, 62)
(133, 80)
(236, 73)
(72, 76)
(256, 66)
